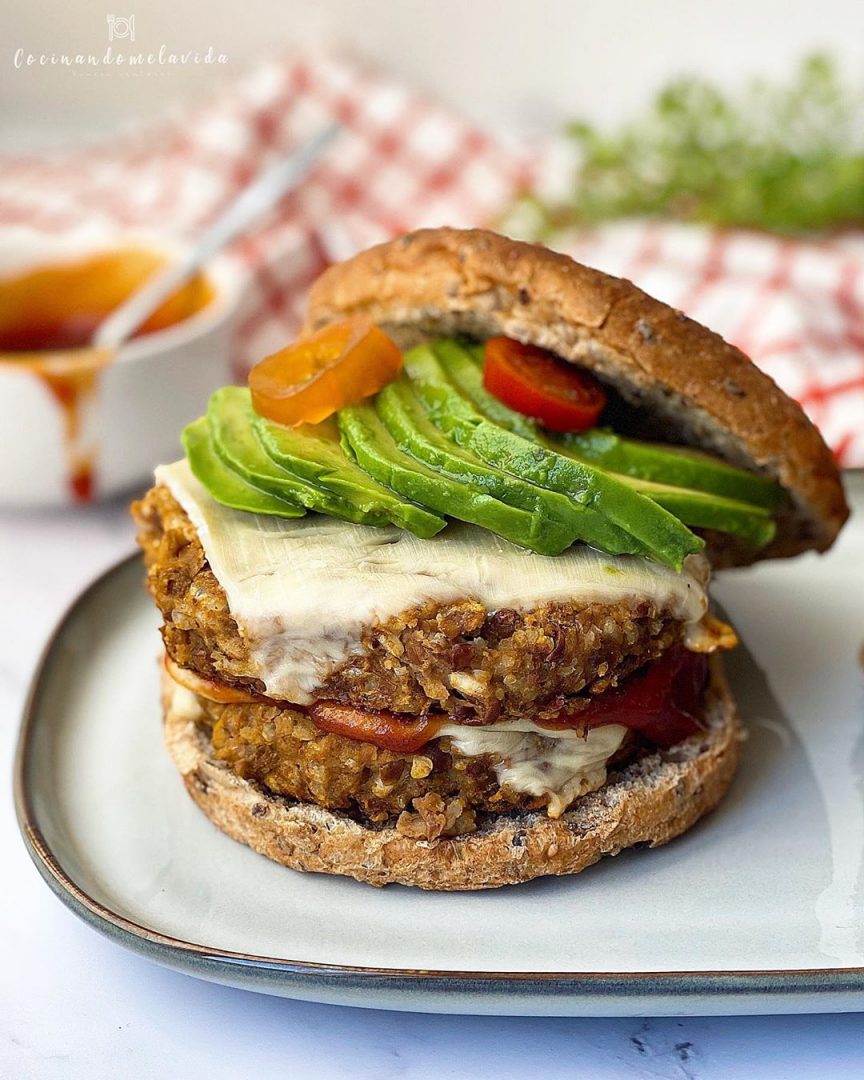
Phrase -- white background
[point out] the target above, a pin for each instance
(73, 1005)
(508, 63)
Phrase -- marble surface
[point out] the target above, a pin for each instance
(73, 1005)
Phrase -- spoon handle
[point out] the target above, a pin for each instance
(252, 202)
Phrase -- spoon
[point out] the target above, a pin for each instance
(254, 200)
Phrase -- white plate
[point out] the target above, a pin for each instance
(757, 909)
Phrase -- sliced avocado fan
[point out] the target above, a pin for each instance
(661, 463)
(224, 485)
(375, 450)
(314, 452)
(727, 499)
(673, 465)
(435, 443)
(663, 536)
(403, 414)
(231, 423)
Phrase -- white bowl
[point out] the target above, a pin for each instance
(131, 419)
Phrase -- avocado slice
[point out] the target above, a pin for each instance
(676, 466)
(313, 452)
(405, 417)
(752, 524)
(225, 486)
(698, 508)
(463, 363)
(377, 453)
(664, 537)
(230, 419)
(673, 465)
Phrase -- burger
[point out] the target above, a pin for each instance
(434, 585)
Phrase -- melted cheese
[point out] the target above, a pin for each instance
(561, 766)
(302, 591)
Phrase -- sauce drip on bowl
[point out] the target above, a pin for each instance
(72, 379)
(48, 316)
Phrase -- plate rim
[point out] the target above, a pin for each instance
(784, 982)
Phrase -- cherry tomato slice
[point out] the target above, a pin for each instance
(306, 382)
(532, 381)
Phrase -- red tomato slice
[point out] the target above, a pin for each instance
(534, 382)
(402, 734)
(661, 702)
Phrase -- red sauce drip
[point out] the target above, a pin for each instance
(72, 379)
(81, 482)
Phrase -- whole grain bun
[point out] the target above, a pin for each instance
(651, 801)
(671, 377)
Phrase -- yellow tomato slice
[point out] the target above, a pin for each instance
(306, 382)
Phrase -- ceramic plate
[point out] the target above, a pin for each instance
(757, 909)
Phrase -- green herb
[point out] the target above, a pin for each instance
(781, 158)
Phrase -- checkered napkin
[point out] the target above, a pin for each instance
(796, 308)
(402, 162)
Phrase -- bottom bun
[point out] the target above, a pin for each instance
(655, 798)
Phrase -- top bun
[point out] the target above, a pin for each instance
(670, 376)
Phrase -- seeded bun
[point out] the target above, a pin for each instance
(654, 799)
(670, 376)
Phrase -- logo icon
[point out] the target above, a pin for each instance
(121, 27)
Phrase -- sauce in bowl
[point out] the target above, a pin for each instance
(48, 316)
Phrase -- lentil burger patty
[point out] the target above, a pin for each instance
(476, 666)
(431, 792)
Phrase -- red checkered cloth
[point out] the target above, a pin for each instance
(796, 308)
(402, 162)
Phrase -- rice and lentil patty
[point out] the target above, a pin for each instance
(476, 666)
(458, 660)
(432, 792)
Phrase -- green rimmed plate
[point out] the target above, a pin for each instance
(757, 909)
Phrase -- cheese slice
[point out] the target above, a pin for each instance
(560, 765)
(303, 591)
